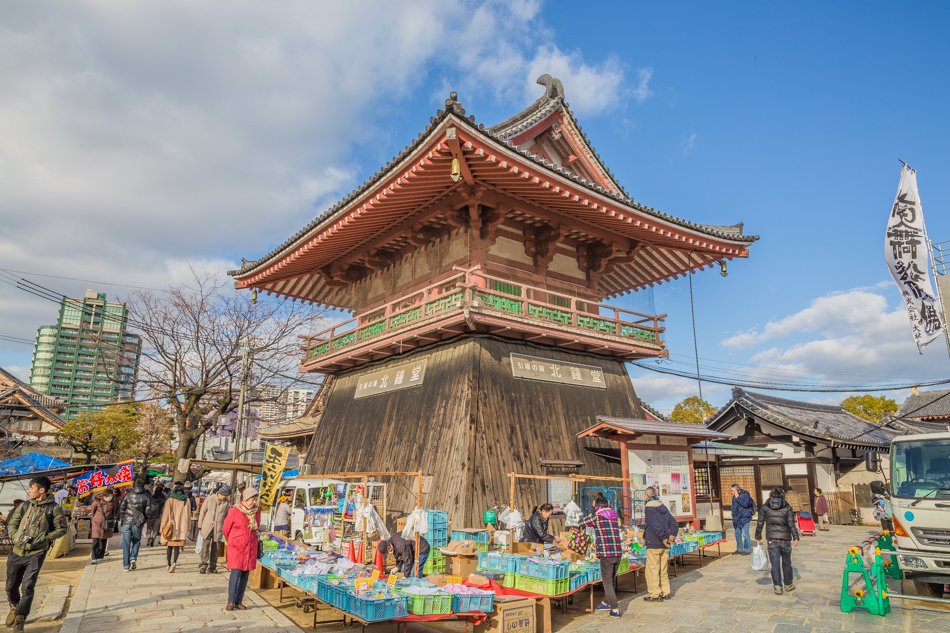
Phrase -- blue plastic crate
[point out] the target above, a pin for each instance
(438, 537)
(479, 537)
(579, 579)
(437, 518)
(476, 602)
(544, 571)
(500, 562)
(377, 610)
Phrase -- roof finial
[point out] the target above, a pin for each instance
(554, 89)
(453, 103)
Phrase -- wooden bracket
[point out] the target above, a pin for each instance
(452, 140)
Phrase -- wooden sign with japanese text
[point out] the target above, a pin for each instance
(391, 379)
(275, 458)
(534, 368)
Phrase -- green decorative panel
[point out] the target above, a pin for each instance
(550, 314)
(449, 302)
(598, 325)
(372, 330)
(501, 303)
(408, 316)
(343, 341)
(633, 331)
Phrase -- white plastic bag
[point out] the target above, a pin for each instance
(573, 514)
(760, 560)
(198, 543)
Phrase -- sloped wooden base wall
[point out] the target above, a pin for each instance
(468, 425)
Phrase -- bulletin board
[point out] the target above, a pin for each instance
(669, 471)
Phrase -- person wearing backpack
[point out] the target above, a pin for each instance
(658, 533)
(743, 509)
(33, 528)
(134, 510)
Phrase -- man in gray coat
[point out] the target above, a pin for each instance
(210, 520)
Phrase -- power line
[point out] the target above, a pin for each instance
(88, 281)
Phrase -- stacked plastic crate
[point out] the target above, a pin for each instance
(543, 576)
(438, 536)
(481, 538)
(499, 563)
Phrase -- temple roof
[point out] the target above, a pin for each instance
(606, 198)
(14, 390)
(933, 405)
(822, 422)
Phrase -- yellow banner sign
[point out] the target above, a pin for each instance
(275, 458)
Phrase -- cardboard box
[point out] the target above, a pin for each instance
(512, 615)
(459, 565)
(401, 524)
(459, 547)
(535, 549)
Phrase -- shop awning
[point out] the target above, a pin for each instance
(623, 429)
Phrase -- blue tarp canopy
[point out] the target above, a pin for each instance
(288, 474)
(30, 463)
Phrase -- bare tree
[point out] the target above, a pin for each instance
(192, 344)
(155, 433)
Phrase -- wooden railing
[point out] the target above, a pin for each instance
(482, 292)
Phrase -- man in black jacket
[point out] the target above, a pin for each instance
(33, 527)
(134, 511)
(777, 518)
(660, 526)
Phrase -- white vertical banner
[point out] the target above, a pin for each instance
(907, 253)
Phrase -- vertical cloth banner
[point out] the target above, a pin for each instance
(275, 458)
(907, 253)
(123, 474)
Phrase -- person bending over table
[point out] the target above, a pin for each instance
(404, 551)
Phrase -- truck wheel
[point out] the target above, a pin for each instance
(928, 589)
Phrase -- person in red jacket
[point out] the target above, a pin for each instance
(240, 532)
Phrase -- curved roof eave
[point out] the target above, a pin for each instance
(454, 107)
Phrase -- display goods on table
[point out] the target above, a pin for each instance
(354, 588)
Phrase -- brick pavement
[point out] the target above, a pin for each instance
(726, 595)
(150, 599)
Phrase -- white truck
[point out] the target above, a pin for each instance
(920, 499)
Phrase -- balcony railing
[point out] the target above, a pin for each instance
(481, 293)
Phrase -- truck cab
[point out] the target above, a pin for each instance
(920, 499)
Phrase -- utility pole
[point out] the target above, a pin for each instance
(242, 397)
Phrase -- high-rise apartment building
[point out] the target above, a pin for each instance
(277, 404)
(297, 401)
(88, 359)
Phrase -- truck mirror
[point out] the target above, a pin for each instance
(871, 462)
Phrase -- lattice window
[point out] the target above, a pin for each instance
(705, 487)
(742, 475)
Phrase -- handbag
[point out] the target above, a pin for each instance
(168, 530)
(108, 525)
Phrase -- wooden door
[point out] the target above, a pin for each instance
(799, 485)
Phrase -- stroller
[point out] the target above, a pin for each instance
(806, 523)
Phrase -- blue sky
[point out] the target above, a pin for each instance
(136, 141)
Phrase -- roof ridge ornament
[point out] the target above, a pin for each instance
(553, 87)
(453, 104)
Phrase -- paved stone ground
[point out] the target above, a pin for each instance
(726, 595)
(151, 600)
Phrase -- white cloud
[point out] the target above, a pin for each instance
(137, 139)
(851, 337)
(662, 391)
(690, 143)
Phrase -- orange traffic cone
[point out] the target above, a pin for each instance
(378, 562)
(351, 553)
(361, 554)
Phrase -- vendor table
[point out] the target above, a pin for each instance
(545, 601)
(680, 560)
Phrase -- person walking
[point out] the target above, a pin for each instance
(153, 526)
(660, 528)
(105, 514)
(133, 514)
(33, 528)
(882, 506)
(210, 523)
(821, 509)
(174, 524)
(282, 514)
(609, 549)
(781, 532)
(743, 509)
(240, 533)
(536, 529)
